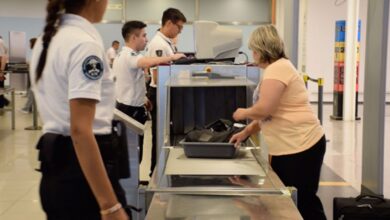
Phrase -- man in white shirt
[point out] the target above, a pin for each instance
(160, 46)
(130, 78)
(112, 52)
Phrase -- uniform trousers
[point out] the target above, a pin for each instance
(302, 170)
(139, 114)
(65, 192)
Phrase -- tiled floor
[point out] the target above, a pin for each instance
(19, 198)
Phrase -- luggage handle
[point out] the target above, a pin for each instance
(360, 197)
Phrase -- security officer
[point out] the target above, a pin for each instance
(75, 97)
(161, 46)
(112, 52)
(128, 68)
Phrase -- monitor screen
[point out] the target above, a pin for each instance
(216, 42)
(17, 47)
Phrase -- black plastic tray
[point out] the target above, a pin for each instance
(209, 150)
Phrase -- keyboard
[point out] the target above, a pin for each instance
(186, 60)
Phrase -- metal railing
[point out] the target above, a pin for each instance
(35, 125)
(320, 83)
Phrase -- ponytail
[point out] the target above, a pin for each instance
(54, 8)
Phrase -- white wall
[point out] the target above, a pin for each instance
(320, 39)
(23, 8)
(135, 9)
(388, 60)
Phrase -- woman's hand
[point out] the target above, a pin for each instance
(119, 215)
(238, 138)
(240, 114)
(241, 181)
(148, 105)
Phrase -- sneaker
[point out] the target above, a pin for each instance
(24, 111)
(143, 182)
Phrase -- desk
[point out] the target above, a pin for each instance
(4, 91)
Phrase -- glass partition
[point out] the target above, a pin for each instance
(237, 12)
(151, 11)
(232, 11)
(114, 11)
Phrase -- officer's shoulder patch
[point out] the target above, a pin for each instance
(93, 67)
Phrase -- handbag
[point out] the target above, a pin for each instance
(362, 207)
(219, 131)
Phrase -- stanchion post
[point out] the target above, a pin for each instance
(35, 115)
(35, 125)
(13, 108)
(305, 79)
(320, 82)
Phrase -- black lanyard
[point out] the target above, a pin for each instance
(174, 49)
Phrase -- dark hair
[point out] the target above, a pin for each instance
(54, 10)
(174, 15)
(32, 42)
(115, 42)
(131, 27)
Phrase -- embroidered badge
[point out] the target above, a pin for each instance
(159, 53)
(93, 67)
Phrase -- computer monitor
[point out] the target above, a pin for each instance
(17, 47)
(214, 42)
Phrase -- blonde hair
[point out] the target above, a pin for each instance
(266, 42)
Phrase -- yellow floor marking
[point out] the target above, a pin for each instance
(323, 183)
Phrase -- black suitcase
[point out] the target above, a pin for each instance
(362, 207)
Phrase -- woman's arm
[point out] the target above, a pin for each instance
(250, 129)
(3, 61)
(253, 128)
(271, 92)
(82, 113)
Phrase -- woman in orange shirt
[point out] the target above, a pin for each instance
(293, 133)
